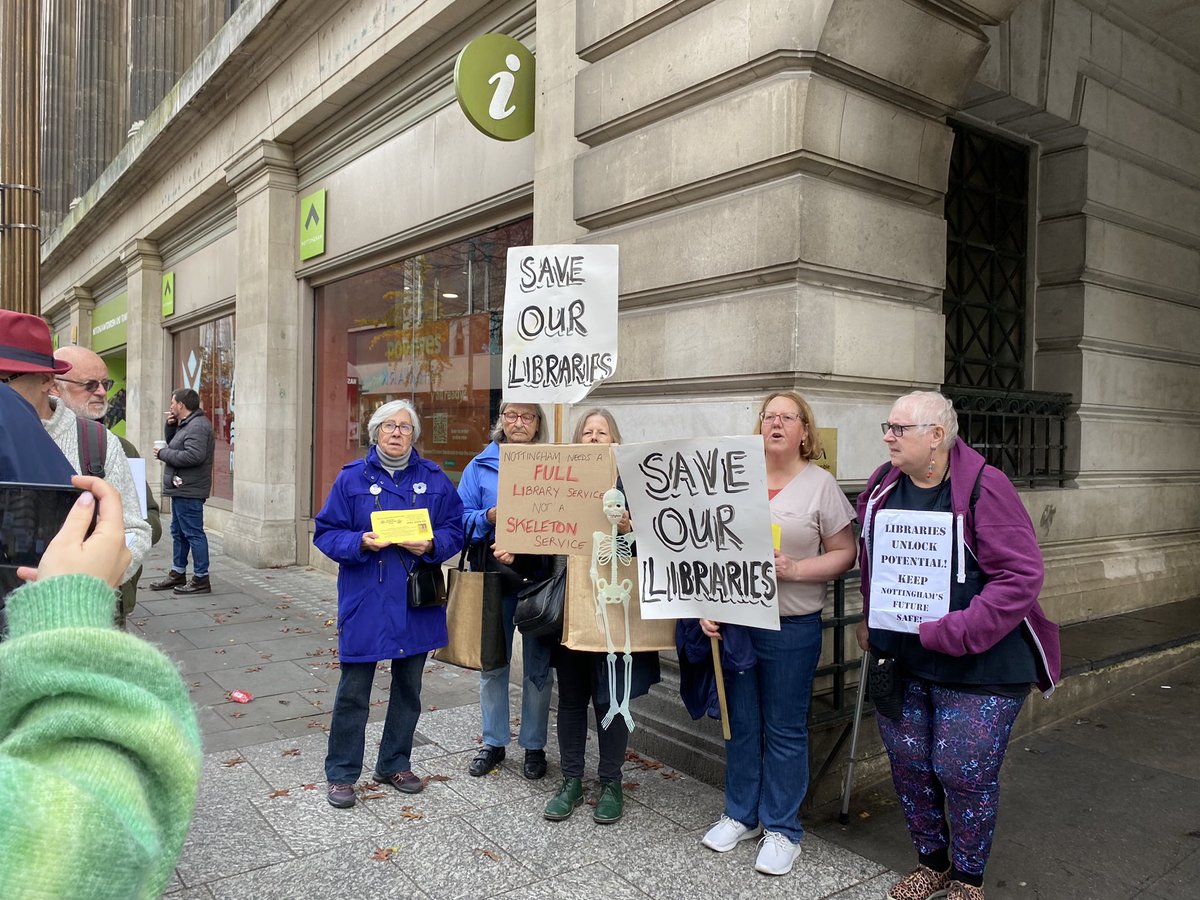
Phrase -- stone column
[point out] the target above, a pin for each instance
(262, 529)
(80, 304)
(147, 387)
(100, 84)
(58, 110)
(155, 55)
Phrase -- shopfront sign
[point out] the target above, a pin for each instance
(494, 81)
(560, 321)
(110, 323)
(312, 225)
(168, 294)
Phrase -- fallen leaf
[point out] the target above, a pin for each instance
(235, 761)
(218, 618)
(630, 785)
(282, 792)
(671, 776)
(437, 778)
(329, 622)
(375, 796)
(864, 815)
(412, 814)
(490, 854)
(309, 787)
(383, 854)
(292, 751)
(254, 669)
(222, 650)
(264, 656)
(431, 708)
(236, 715)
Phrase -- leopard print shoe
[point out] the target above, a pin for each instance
(922, 883)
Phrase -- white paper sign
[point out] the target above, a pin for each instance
(560, 321)
(910, 568)
(703, 528)
(137, 468)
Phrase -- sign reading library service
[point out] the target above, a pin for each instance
(494, 81)
(550, 497)
(312, 225)
(703, 529)
(910, 568)
(560, 321)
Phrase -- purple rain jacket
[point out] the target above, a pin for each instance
(999, 534)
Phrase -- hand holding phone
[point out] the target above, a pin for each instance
(73, 551)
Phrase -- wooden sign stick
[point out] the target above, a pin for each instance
(716, 651)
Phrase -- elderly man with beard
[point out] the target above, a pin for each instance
(85, 392)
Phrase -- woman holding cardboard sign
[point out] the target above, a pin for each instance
(951, 573)
(766, 759)
(376, 617)
(519, 423)
(583, 682)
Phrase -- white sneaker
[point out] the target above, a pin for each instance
(776, 854)
(727, 834)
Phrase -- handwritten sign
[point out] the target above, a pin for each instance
(550, 497)
(703, 529)
(402, 525)
(910, 568)
(560, 321)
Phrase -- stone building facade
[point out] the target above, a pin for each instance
(806, 193)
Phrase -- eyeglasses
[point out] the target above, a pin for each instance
(785, 418)
(527, 418)
(898, 430)
(90, 386)
(402, 427)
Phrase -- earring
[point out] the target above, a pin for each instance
(929, 471)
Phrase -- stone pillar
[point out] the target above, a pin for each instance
(147, 387)
(262, 529)
(58, 110)
(100, 84)
(155, 55)
(80, 304)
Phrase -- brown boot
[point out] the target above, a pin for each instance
(198, 585)
(172, 579)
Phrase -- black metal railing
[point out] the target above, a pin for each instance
(1022, 433)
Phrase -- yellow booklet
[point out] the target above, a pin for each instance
(776, 535)
(401, 525)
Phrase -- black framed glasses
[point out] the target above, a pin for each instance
(90, 386)
(898, 429)
(402, 427)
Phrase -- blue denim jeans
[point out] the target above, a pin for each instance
(766, 760)
(347, 731)
(493, 698)
(187, 533)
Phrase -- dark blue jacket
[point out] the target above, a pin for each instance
(27, 453)
(697, 681)
(374, 619)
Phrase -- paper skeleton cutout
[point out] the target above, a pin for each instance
(611, 550)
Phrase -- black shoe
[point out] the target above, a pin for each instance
(198, 585)
(170, 580)
(535, 764)
(486, 760)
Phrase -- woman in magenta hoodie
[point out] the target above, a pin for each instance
(937, 521)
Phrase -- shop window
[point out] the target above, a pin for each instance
(204, 356)
(425, 329)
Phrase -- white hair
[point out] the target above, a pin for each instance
(932, 408)
(386, 411)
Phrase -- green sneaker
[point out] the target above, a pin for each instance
(611, 804)
(562, 804)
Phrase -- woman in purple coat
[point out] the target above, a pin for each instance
(937, 522)
(375, 621)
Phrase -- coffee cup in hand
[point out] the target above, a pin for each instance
(160, 445)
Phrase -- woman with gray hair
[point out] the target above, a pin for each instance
(375, 621)
(952, 535)
(518, 423)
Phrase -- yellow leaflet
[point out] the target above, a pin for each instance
(401, 525)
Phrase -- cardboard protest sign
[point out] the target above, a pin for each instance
(560, 322)
(550, 497)
(910, 568)
(703, 529)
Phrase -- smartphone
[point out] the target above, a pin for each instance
(30, 517)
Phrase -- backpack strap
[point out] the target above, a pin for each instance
(93, 446)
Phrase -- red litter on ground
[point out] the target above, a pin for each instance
(241, 696)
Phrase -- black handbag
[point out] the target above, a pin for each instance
(426, 585)
(539, 611)
(886, 687)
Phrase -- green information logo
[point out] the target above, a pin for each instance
(168, 294)
(495, 83)
(312, 225)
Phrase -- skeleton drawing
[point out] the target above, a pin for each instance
(611, 550)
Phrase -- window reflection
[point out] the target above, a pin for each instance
(204, 357)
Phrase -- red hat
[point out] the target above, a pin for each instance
(25, 345)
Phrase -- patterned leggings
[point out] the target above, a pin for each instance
(946, 752)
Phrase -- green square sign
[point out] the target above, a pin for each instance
(168, 294)
(312, 225)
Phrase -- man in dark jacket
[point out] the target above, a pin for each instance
(187, 480)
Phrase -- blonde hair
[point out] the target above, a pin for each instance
(613, 430)
(810, 448)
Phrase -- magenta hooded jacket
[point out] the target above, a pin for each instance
(999, 534)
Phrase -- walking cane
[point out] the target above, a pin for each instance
(848, 784)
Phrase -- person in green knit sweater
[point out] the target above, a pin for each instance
(99, 745)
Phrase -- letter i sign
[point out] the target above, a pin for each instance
(495, 82)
